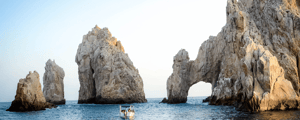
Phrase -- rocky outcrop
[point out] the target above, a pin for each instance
(106, 74)
(29, 95)
(53, 81)
(165, 100)
(178, 83)
(253, 63)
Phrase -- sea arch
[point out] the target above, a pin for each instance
(187, 72)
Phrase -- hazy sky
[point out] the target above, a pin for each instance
(151, 31)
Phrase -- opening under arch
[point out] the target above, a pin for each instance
(199, 90)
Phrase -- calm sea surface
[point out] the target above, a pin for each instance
(193, 109)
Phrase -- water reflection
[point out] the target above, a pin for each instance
(292, 114)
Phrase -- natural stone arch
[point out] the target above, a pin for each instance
(184, 76)
(253, 63)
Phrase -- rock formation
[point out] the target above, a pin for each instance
(29, 95)
(178, 83)
(106, 74)
(253, 63)
(53, 81)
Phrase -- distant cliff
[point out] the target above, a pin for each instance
(253, 63)
(106, 74)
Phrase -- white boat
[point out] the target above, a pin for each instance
(127, 112)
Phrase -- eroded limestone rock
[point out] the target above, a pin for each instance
(253, 63)
(106, 74)
(53, 81)
(178, 83)
(29, 95)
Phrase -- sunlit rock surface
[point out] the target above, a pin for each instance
(29, 95)
(53, 81)
(253, 63)
(178, 83)
(106, 74)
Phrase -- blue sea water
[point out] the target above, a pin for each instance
(152, 110)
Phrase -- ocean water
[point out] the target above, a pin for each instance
(152, 110)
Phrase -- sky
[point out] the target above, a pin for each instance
(151, 32)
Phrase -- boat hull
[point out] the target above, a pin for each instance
(127, 115)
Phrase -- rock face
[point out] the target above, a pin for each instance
(253, 63)
(178, 83)
(29, 95)
(53, 81)
(106, 74)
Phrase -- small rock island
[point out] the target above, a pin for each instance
(53, 81)
(106, 74)
(29, 95)
(252, 64)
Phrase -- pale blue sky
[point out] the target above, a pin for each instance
(151, 31)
